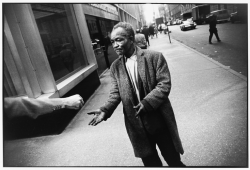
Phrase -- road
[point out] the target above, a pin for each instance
(232, 51)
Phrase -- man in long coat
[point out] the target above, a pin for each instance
(141, 80)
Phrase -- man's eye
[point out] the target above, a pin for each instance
(119, 40)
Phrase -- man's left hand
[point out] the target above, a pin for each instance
(139, 108)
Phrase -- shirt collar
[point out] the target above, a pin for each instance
(133, 56)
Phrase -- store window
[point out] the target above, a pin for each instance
(100, 30)
(60, 37)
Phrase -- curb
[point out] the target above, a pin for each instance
(215, 62)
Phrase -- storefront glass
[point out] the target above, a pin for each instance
(60, 36)
(99, 30)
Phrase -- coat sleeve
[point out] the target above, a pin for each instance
(114, 97)
(24, 106)
(160, 92)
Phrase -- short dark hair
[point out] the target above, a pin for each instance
(128, 27)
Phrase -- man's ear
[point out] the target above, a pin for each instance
(132, 38)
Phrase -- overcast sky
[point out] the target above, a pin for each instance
(149, 9)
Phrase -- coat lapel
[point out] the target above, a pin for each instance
(141, 66)
(127, 84)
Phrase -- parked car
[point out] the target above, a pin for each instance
(188, 24)
(178, 21)
(234, 17)
(222, 15)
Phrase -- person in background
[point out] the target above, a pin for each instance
(140, 79)
(165, 28)
(151, 31)
(15, 107)
(160, 28)
(156, 31)
(146, 33)
(67, 57)
(107, 42)
(140, 40)
(213, 29)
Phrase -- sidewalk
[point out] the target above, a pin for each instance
(210, 104)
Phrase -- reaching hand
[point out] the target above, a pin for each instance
(73, 102)
(139, 108)
(98, 117)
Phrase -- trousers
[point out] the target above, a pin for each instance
(164, 142)
(215, 32)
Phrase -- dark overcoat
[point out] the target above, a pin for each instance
(156, 83)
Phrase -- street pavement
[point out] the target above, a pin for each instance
(209, 101)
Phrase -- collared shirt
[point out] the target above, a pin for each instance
(131, 65)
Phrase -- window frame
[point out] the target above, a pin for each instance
(26, 37)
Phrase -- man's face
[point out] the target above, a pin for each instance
(120, 41)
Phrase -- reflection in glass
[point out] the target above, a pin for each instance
(59, 35)
(99, 30)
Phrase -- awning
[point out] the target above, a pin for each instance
(185, 13)
(200, 6)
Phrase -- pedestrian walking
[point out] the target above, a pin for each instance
(140, 40)
(213, 29)
(160, 28)
(107, 42)
(156, 31)
(165, 28)
(141, 80)
(151, 31)
(146, 33)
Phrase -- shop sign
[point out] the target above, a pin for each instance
(106, 7)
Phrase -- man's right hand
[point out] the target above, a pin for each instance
(98, 117)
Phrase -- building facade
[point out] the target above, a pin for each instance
(131, 13)
(54, 50)
(178, 11)
(184, 11)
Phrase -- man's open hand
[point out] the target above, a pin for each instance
(98, 117)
